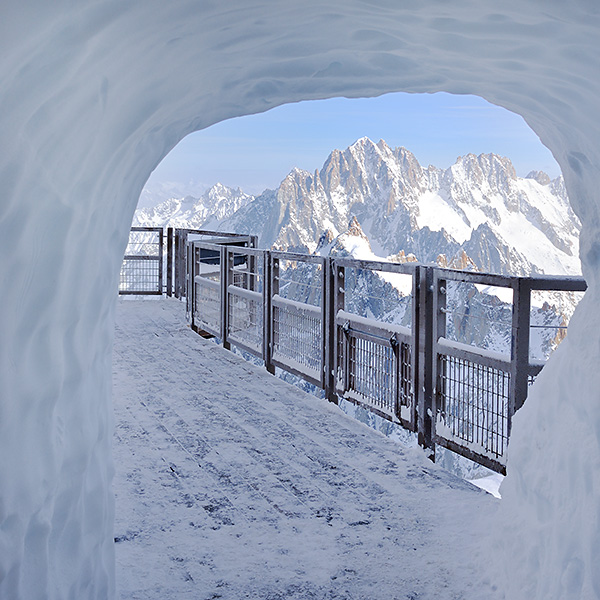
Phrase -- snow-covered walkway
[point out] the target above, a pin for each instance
(232, 484)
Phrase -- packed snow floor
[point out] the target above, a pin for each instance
(232, 484)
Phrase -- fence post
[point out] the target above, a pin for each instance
(160, 260)
(190, 272)
(324, 320)
(267, 311)
(339, 303)
(438, 373)
(226, 275)
(425, 364)
(187, 280)
(330, 304)
(176, 264)
(169, 261)
(273, 324)
(519, 353)
(179, 261)
(183, 238)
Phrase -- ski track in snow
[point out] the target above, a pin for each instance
(231, 484)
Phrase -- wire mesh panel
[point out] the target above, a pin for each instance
(375, 339)
(297, 339)
(473, 406)
(475, 362)
(207, 304)
(206, 264)
(245, 323)
(296, 318)
(245, 302)
(142, 267)
(375, 366)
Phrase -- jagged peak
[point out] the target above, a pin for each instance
(295, 175)
(401, 257)
(460, 261)
(325, 240)
(219, 186)
(354, 228)
(363, 141)
(298, 171)
(383, 146)
(486, 159)
(540, 176)
(493, 167)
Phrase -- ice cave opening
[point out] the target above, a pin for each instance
(95, 95)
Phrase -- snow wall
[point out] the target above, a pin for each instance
(93, 95)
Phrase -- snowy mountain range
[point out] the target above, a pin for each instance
(476, 214)
(209, 210)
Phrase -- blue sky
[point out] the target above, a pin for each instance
(257, 152)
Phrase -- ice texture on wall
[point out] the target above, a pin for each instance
(94, 93)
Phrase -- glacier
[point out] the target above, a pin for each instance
(96, 93)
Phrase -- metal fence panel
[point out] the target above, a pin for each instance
(297, 337)
(206, 297)
(246, 298)
(142, 267)
(375, 367)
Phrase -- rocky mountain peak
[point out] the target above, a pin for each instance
(402, 257)
(355, 229)
(486, 169)
(371, 196)
(325, 240)
(539, 176)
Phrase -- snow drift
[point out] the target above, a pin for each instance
(95, 93)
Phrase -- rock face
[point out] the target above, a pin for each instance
(478, 212)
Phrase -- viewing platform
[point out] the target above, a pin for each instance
(231, 483)
(446, 354)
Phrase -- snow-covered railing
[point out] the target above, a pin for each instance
(394, 338)
(244, 302)
(205, 292)
(177, 244)
(376, 367)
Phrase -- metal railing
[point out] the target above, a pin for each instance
(374, 361)
(150, 255)
(424, 358)
(298, 313)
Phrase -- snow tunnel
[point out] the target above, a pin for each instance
(95, 93)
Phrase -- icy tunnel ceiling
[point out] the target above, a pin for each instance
(95, 93)
(131, 79)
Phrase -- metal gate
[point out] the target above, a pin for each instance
(142, 268)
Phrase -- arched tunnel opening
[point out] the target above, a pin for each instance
(96, 96)
(241, 152)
